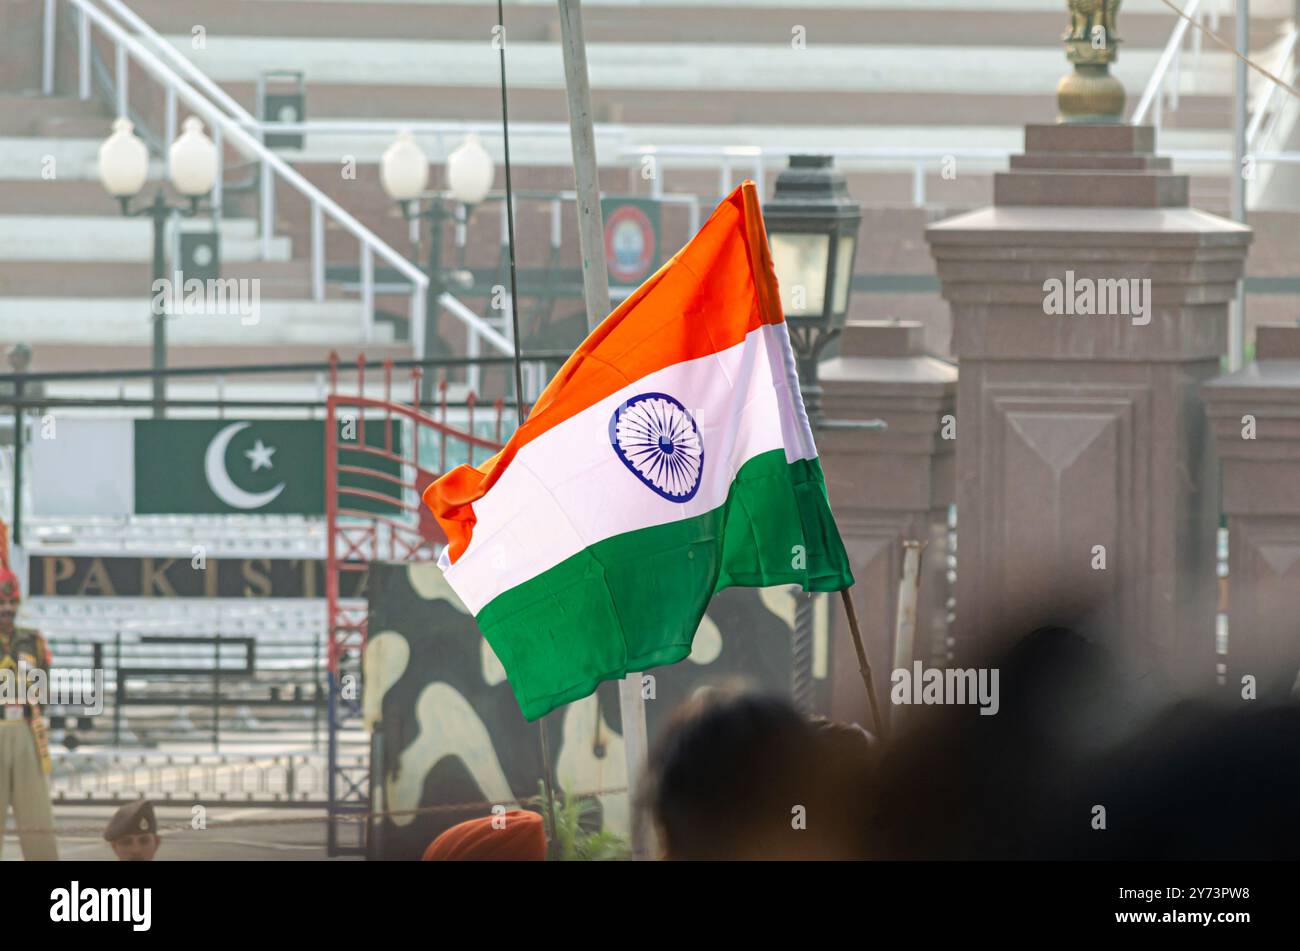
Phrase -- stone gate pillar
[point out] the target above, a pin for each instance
(1256, 417)
(1089, 302)
(887, 487)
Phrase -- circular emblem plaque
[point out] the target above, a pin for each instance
(629, 245)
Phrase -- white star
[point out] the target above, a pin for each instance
(260, 456)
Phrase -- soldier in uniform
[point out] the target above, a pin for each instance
(133, 832)
(24, 744)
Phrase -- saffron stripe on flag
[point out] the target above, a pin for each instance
(675, 316)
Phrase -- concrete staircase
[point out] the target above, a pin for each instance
(905, 73)
(75, 280)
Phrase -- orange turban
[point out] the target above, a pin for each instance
(518, 836)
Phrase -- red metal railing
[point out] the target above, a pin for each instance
(369, 524)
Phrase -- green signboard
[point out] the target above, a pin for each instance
(256, 466)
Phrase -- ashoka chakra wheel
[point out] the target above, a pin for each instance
(657, 439)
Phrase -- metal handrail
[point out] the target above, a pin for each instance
(180, 63)
(100, 82)
(48, 46)
(421, 127)
(757, 157)
(250, 146)
(250, 132)
(1262, 108)
(1167, 59)
(266, 205)
(247, 144)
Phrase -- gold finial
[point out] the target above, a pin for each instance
(1090, 93)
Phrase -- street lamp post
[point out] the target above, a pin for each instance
(404, 175)
(123, 170)
(20, 358)
(812, 229)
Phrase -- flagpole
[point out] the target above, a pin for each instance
(864, 666)
(595, 289)
(519, 376)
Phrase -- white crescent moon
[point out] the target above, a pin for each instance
(214, 466)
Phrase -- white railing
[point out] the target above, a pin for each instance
(196, 76)
(1166, 78)
(756, 159)
(48, 37)
(1285, 66)
(1276, 114)
(440, 131)
(727, 159)
(177, 61)
(176, 66)
(226, 128)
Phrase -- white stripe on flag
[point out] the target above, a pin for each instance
(568, 489)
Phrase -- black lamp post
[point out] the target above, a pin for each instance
(123, 169)
(437, 213)
(20, 358)
(812, 228)
(158, 211)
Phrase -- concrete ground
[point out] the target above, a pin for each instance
(243, 765)
(270, 835)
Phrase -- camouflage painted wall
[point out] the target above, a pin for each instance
(452, 731)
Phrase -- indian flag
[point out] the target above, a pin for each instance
(669, 458)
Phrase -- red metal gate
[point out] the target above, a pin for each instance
(365, 524)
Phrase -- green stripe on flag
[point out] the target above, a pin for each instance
(634, 601)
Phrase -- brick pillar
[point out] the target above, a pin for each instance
(1075, 432)
(887, 487)
(1256, 418)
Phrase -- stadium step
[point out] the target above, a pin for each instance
(28, 159)
(1143, 22)
(34, 114)
(279, 280)
(80, 238)
(126, 321)
(81, 356)
(940, 67)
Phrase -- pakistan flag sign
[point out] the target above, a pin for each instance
(199, 467)
(263, 467)
(215, 467)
